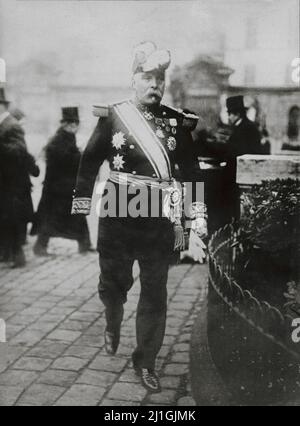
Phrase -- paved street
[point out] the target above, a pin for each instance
(55, 352)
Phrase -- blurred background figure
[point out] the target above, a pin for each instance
(293, 130)
(239, 137)
(53, 218)
(16, 166)
(258, 116)
(21, 118)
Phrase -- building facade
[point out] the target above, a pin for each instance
(260, 38)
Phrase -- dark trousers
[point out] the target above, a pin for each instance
(150, 242)
(12, 238)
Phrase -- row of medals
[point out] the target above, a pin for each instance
(168, 125)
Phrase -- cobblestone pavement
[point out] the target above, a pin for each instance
(55, 352)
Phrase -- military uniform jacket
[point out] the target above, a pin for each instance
(137, 141)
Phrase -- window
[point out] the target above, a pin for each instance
(294, 123)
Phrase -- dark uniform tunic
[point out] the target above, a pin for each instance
(53, 218)
(124, 240)
(16, 166)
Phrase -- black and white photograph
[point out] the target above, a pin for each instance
(149, 205)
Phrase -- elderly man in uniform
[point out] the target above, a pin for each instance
(16, 166)
(143, 140)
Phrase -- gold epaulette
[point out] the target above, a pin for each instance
(189, 119)
(102, 110)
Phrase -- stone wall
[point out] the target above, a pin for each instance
(253, 169)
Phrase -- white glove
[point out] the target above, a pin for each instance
(197, 248)
(199, 225)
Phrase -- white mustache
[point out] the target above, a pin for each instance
(157, 93)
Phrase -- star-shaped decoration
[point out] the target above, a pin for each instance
(119, 140)
(118, 162)
(148, 115)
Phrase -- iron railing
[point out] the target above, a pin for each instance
(238, 322)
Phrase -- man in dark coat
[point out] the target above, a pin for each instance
(54, 218)
(245, 138)
(16, 166)
(143, 140)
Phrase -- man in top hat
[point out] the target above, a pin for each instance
(53, 218)
(143, 140)
(16, 166)
(244, 138)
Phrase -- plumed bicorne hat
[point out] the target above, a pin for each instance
(70, 115)
(148, 58)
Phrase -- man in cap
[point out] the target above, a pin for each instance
(143, 140)
(16, 166)
(53, 218)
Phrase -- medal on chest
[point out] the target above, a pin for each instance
(164, 127)
(118, 162)
(172, 143)
(118, 140)
(148, 115)
(159, 133)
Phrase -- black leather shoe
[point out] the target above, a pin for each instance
(112, 341)
(85, 248)
(40, 251)
(86, 251)
(20, 260)
(149, 379)
(6, 256)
